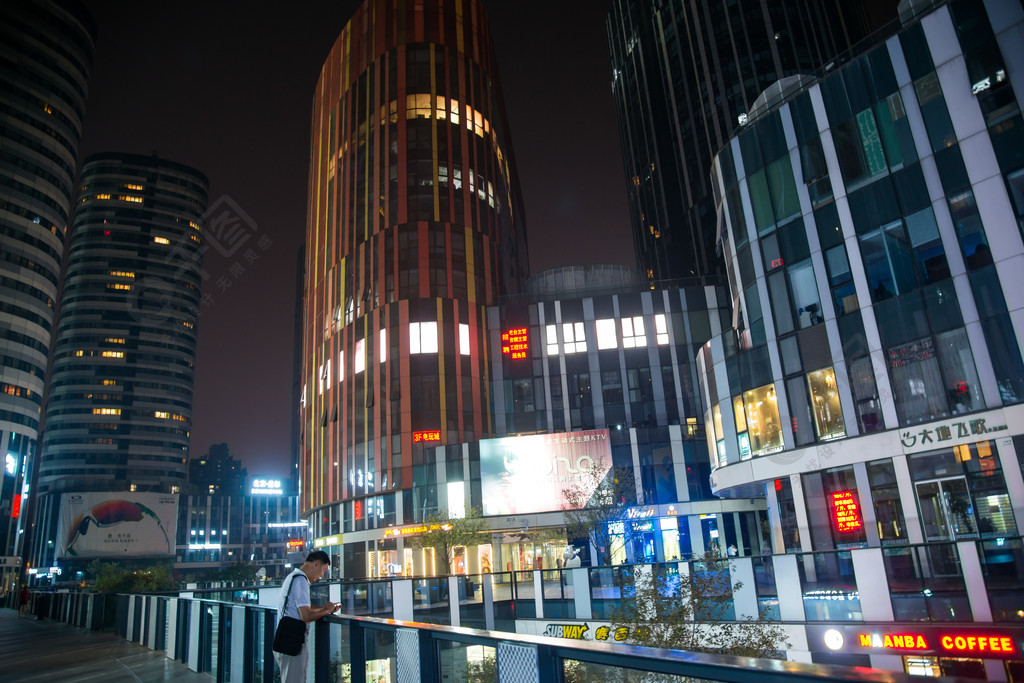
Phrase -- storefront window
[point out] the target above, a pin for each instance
(988, 489)
(742, 438)
(885, 496)
(669, 527)
(828, 413)
(787, 514)
(763, 423)
(716, 414)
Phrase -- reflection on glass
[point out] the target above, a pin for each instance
(463, 662)
(737, 409)
(763, 424)
(828, 413)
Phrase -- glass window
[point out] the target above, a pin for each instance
(781, 308)
(764, 215)
(843, 503)
(606, 334)
(826, 220)
(787, 514)
(929, 255)
(633, 332)
(917, 381)
(574, 337)
(957, 363)
(551, 339)
(805, 294)
(865, 396)
(969, 230)
(1006, 361)
(800, 411)
(790, 355)
(661, 328)
(828, 413)
(763, 423)
(359, 358)
(783, 189)
(933, 109)
(844, 291)
(885, 496)
(383, 346)
(423, 337)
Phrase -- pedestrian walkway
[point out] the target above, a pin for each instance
(49, 651)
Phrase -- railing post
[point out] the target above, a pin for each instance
(429, 670)
(580, 579)
(321, 650)
(357, 650)
(269, 625)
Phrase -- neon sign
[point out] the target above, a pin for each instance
(515, 343)
(429, 435)
(413, 530)
(846, 512)
(950, 643)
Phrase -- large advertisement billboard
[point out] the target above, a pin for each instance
(524, 474)
(117, 524)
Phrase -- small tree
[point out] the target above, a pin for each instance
(587, 515)
(445, 533)
(689, 612)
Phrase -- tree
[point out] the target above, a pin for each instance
(445, 533)
(588, 515)
(670, 609)
(113, 578)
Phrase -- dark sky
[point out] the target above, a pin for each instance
(227, 88)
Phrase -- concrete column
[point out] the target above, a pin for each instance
(538, 593)
(402, 599)
(869, 573)
(741, 570)
(974, 580)
(194, 614)
(151, 640)
(487, 586)
(800, 506)
(787, 584)
(867, 508)
(696, 535)
(579, 578)
(237, 664)
(908, 499)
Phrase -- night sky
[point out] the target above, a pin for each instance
(227, 89)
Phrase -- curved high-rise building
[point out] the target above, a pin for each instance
(684, 77)
(119, 408)
(414, 227)
(46, 50)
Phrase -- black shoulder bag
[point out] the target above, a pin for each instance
(291, 632)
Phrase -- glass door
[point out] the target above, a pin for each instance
(947, 512)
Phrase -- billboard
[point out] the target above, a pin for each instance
(118, 524)
(524, 474)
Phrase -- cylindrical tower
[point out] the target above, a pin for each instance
(414, 226)
(119, 408)
(46, 50)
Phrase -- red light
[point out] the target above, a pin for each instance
(106, 233)
(16, 509)
(845, 512)
(778, 484)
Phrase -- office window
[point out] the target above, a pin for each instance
(423, 337)
(828, 413)
(574, 337)
(383, 346)
(464, 339)
(606, 334)
(359, 360)
(341, 366)
(551, 339)
(633, 332)
(763, 424)
(661, 329)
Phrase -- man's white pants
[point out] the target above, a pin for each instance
(293, 667)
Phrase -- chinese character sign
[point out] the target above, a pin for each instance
(515, 343)
(527, 474)
(121, 524)
(846, 512)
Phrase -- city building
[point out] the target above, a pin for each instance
(46, 51)
(119, 407)
(871, 387)
(216, 472)
(414, 227)
(684, 77)
(258, 528)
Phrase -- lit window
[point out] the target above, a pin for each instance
(661, 329)
(161, 240)
(551, 338)
(162, 415)
(360, 356)
(383, 345)
(106, 411)
(79, 353)
(113, 354)
(114, 340)
(131, 186)
(464, 339)
(423, 337)
(633, 332)
(130, 198)
(109, 383)
(103, 195)
(327, 373)
(606, 334)
(341, 366)
(119, 286)
(574, 337)
(122, 273)
(320, 375)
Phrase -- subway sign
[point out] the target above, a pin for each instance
(982, 643)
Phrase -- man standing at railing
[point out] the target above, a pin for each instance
(294, 603)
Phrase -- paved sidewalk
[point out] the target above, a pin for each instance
(50, 651)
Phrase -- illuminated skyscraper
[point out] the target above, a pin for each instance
(119, 407)
(46, 50)
(414, 226)
(684, 77)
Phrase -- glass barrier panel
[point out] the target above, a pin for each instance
(829, 587)
(464, 662)
(381, 665)
(1002, 565)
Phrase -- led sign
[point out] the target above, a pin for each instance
(429, 435)
(324, 541)
(204, 546)
(515, 343)
(414, 530)
(266, 487)
(296, 543)
(845, 512)
(10, 464)
(285, 525)
(949, 643)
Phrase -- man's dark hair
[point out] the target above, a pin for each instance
(318, 556)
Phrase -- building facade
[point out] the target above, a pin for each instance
(684, 76)
(119, 407)
(414, 227)
(871, 388)
(46, 51)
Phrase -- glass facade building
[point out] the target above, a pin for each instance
(684, 77)
(119, 410)
(870, 389)
(46, 51)
(414, 226)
